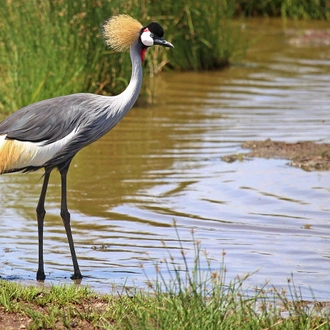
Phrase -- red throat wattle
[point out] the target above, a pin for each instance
(143, 53)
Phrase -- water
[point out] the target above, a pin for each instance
(163, 163)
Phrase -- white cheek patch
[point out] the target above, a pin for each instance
(146, 38)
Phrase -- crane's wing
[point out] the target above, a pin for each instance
(49, 120)
(50, 132)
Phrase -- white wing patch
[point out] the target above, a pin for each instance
(15, 155)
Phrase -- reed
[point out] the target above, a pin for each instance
(201, 31)
(296, 9)
(198, 296)
(306, 9)
(47, 50)
(53, 47)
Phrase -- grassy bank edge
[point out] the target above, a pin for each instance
(181, 297)
(59, 307)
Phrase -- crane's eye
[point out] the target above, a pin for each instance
(147, 38)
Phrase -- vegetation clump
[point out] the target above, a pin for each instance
(296, 9)
(52, 48)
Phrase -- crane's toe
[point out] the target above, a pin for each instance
(76, 276)
(40, 275)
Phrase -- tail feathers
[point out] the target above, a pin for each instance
(11, 155)
(18, 156)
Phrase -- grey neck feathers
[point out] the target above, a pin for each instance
(111, 109)
(125, 101)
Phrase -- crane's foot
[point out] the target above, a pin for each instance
(76, 276)
(41, 275)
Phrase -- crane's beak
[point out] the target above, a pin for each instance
(162, 42)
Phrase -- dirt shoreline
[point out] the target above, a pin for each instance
(307, 155)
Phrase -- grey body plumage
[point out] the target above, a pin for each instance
(49, 133)
(91, 115)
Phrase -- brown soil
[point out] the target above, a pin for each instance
(310, 37)
(309, 156)
(20, 321)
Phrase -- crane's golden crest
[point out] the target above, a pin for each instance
(121, 31)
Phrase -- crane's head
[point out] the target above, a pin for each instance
(122, 31)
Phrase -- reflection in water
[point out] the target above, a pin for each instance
(164, 162)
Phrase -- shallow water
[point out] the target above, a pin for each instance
(163, 163)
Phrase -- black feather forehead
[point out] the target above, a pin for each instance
(156, 29)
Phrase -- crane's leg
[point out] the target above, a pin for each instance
(40, 218)
(66, 221)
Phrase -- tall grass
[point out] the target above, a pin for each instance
(201, 31)
(196, 296)
(48, 48)
(296, 9)
(199, 297)
(53, 47)
(306, 9)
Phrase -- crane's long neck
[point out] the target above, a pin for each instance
(111, 109)
(128, 97)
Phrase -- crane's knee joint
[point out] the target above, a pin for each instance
(65, 215)
(41, 212)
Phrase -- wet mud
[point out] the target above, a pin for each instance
(307, 155)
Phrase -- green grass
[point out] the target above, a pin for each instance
(296, 9)
(53, 47)
(189, 298)
(49, 48)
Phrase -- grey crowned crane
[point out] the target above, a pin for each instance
(49, 133)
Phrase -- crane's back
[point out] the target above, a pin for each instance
(33, 135)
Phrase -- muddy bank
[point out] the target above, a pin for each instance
(308, 37)
(309, 156)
